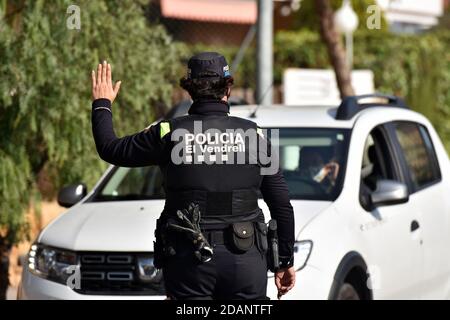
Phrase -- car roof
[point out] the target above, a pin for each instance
(292, 116)
(283, 116)
(316, 116)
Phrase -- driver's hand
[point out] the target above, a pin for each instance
(332, 170)
(102, 85)
(284, 280)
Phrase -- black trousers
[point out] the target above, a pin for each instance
(229, 275)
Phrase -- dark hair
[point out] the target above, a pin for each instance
(207, 87)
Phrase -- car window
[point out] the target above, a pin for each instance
(133, 184)
(377, 164)
(377, 160)
(419, 154)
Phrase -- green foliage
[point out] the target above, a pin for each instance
(298, 50)
(301, 49)
(415, 67)
(45, 92)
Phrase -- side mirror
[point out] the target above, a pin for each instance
(70, 195)
(389, 192)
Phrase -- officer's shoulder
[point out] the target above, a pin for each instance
(178, 120)
(164, 128)
(243, 121)
(161, 128)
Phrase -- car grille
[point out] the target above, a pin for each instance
(116, 274)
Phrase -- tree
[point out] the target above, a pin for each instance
(306, 17)
(444, 20)
(318, 16)
(45, 95)
(335, 48)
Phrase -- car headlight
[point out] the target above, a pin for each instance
(51, 263)
(302, 251)
(147, 271)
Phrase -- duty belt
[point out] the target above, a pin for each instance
(214, 204)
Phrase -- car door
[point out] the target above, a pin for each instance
(392, 239)
(428, 201)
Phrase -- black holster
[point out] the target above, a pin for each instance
(261, 237)
(273, 257)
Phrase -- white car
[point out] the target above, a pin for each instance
(369, 183)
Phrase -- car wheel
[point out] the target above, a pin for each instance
(347, 292)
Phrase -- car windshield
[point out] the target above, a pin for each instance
(312, 160)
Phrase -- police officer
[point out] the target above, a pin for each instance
(211, 237)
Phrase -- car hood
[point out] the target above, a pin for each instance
(128, 226)
(105, 226)
(304, 212)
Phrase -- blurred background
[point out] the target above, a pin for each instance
(48, 48)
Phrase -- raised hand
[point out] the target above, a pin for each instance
(102, 84)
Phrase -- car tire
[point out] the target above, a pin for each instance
(347, 292)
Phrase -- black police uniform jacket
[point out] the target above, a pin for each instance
(226, 193)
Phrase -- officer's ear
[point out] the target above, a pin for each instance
(229, 81)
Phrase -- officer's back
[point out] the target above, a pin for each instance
(211, 237)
